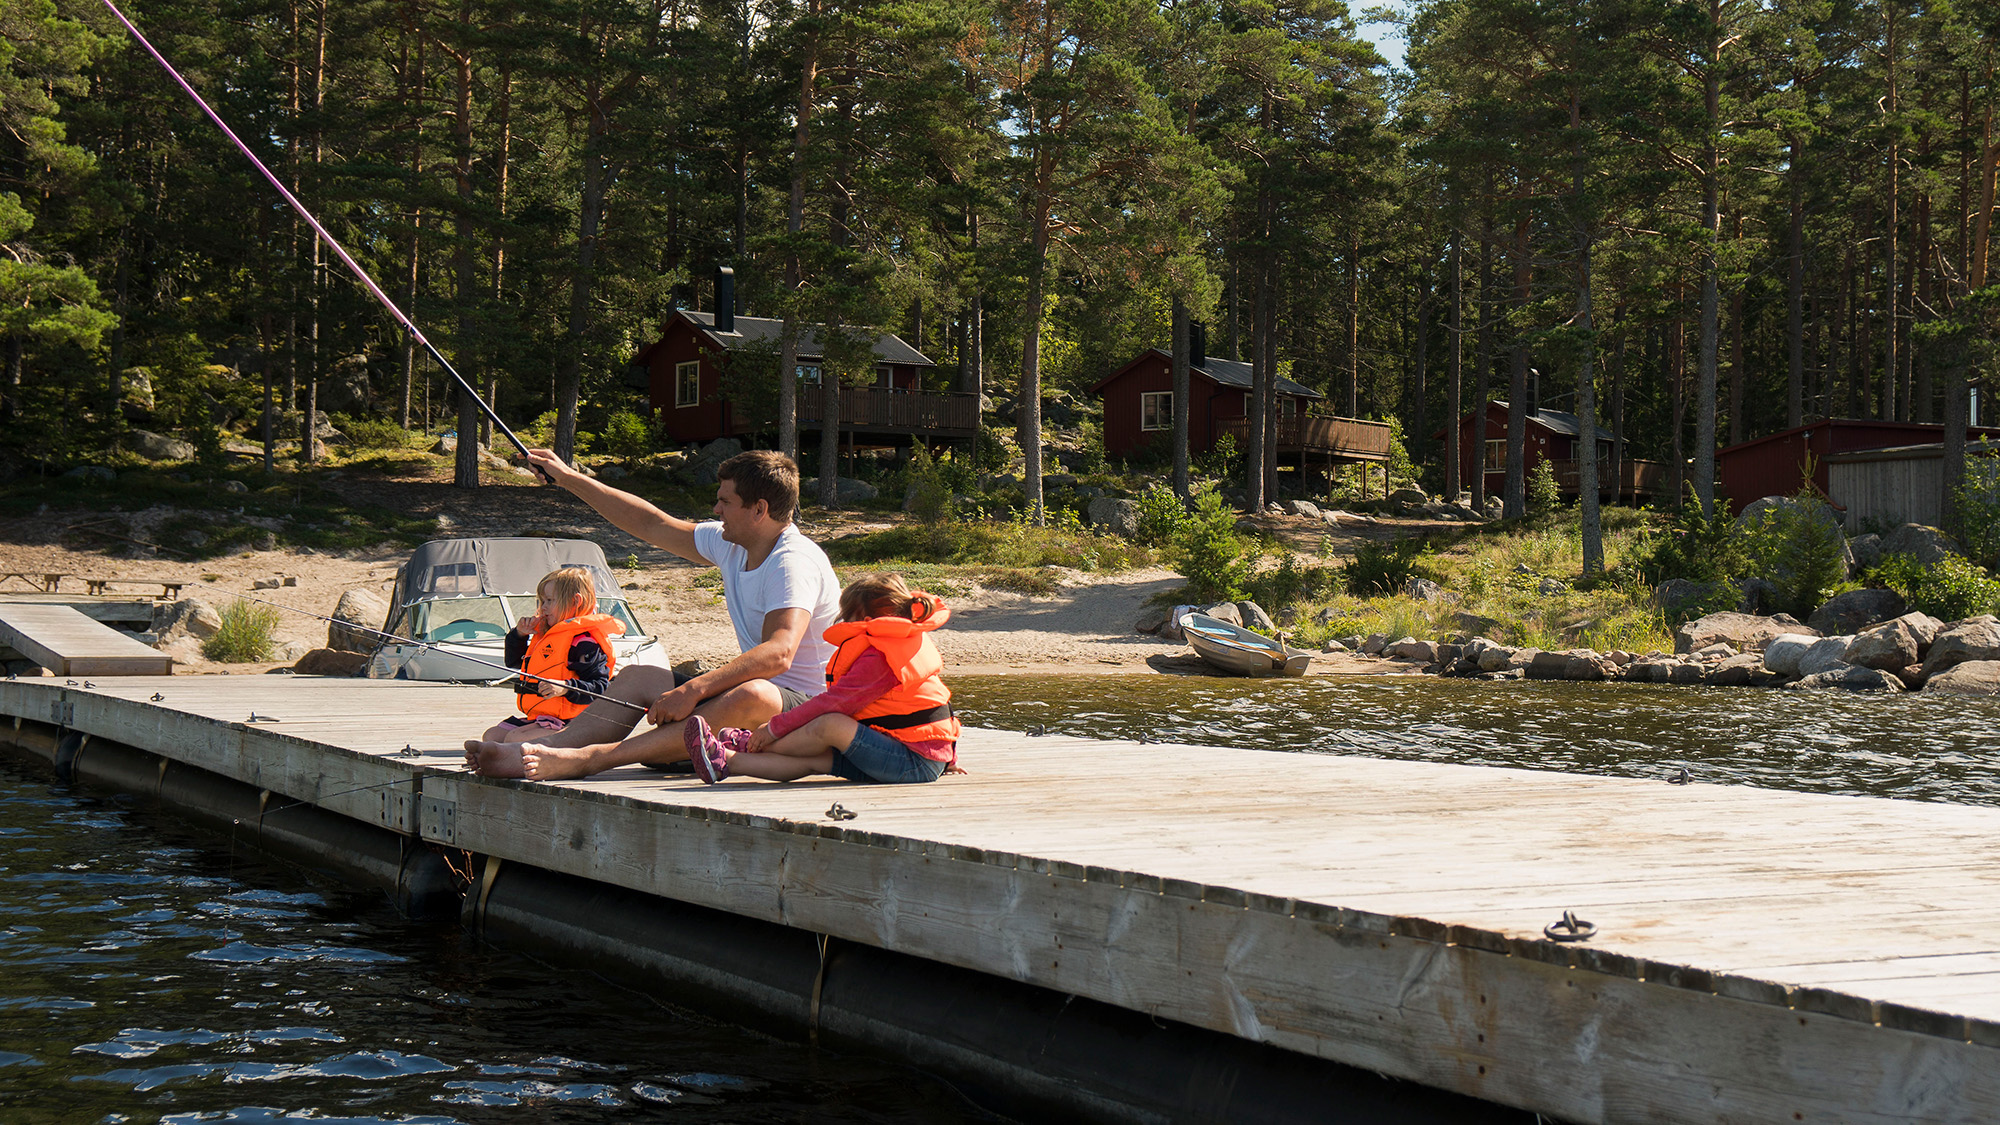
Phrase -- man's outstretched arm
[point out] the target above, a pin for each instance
(627, 512)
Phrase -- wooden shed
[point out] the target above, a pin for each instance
(1554, 436)
(1894, 486)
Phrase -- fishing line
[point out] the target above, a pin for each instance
(339, 250)
(391, 638)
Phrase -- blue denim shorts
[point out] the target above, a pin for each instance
(874, 756)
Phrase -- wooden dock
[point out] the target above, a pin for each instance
(1760, 955)
(70, 643)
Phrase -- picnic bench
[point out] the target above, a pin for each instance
(49, 583)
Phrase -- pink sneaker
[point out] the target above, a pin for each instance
(705, 750)
(736, 740)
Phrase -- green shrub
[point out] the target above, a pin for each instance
(1208, 552)
(625, 434)
(375, 433)
(1953, 589)
(1543, 494)
(1978, 500)
(991, 454)
(931, 495)
(1223, 462)
(1384, 568)
(1292, 581)
(1695, 547)
(1162, 515)
(1800, 548)
(245, 636)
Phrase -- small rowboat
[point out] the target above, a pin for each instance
(1240, 652)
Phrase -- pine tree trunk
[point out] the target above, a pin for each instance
(1795, 287)
(1454, 468)
(1482, 378)
(1891, 365)
(795, 219)
(1711, 290)
(1514, 495)
(1181, 381)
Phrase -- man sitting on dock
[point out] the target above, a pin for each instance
(781, 593)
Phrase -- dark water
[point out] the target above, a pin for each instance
(151, 976)
(1918, 747)
(155, 973)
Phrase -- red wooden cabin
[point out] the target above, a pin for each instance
(1552, 436)
(683, 375)
(1139, 410)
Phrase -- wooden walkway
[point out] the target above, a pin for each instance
(1761, 956)
(69, 643)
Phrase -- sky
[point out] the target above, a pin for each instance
(1388, 40)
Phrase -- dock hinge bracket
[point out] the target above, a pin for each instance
(62, 712)
(438, 820)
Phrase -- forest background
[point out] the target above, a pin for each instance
(1696, 220)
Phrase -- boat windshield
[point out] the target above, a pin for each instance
(520, 605)
(459, 619)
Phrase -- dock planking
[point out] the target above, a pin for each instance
(70, 643)
(1760, 953)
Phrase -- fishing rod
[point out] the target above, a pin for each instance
(353, 266)
(512, 673)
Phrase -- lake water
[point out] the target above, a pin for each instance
(157, 973)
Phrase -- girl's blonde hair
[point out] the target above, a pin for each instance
(885, 595)
(573, 588)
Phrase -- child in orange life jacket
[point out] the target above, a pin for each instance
(565, 645)
(885, 715)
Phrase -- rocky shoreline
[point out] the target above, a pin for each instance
(1909, 652)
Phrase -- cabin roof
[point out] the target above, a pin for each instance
(1225, 372)
(762, 332)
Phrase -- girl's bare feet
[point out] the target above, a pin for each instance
(494, 759)
(558, 763)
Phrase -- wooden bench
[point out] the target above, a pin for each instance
(169, 591)
(46, 583)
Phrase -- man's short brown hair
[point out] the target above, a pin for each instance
(767, 475)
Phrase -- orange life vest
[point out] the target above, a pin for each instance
(548, 659)
(918, 708)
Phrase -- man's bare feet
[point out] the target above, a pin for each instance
(558, 763)
(494, 759)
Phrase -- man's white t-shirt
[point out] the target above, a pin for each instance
(796, 575)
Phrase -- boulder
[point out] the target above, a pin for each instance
(1305, 508)
(135, 393)
(1741, 631)
(1474, 625)
(1848, 678)
(1152, 621)
(1976, 638)
(330, 662)
(1223, 611)
(1118, 517)
(1736, 671)
(445, 446)
(1782, 653)
(846, 490)
(357, 607)
(1375, 643)
(1552, 588)
(1972, 677)
(1171, 631)
(1053, 481)
(345, 389)
(1755, 595)
(1412, 649)
(1824, 655)
(1571, 664)
(1254, 618)
(612, 472)
(1867, 551)
(1332, 645)
(189, 617)
(1494, 507)
(1423, 589)
(1408, 496)
(1927, 545)
(1856, 610)
(1492, 658)
(703, 465)
(159, 447)
(1716, 651)
(1653, 669)
(1447, 656)
(1894, 645)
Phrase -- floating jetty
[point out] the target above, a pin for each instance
(1161, 932)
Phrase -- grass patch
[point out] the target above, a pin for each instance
(1517, 583)
(247, 634)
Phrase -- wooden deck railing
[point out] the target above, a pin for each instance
(881, 410)
(1339, 437)
(1635, 477)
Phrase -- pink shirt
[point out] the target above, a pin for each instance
(868, 679)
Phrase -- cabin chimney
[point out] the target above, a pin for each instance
(1534, 392)
(725, 299)
(1197, 344)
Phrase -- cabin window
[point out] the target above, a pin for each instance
(1156, 410)
(808, 373)
(1288, 407)
(687, 383)
(1496, 456)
